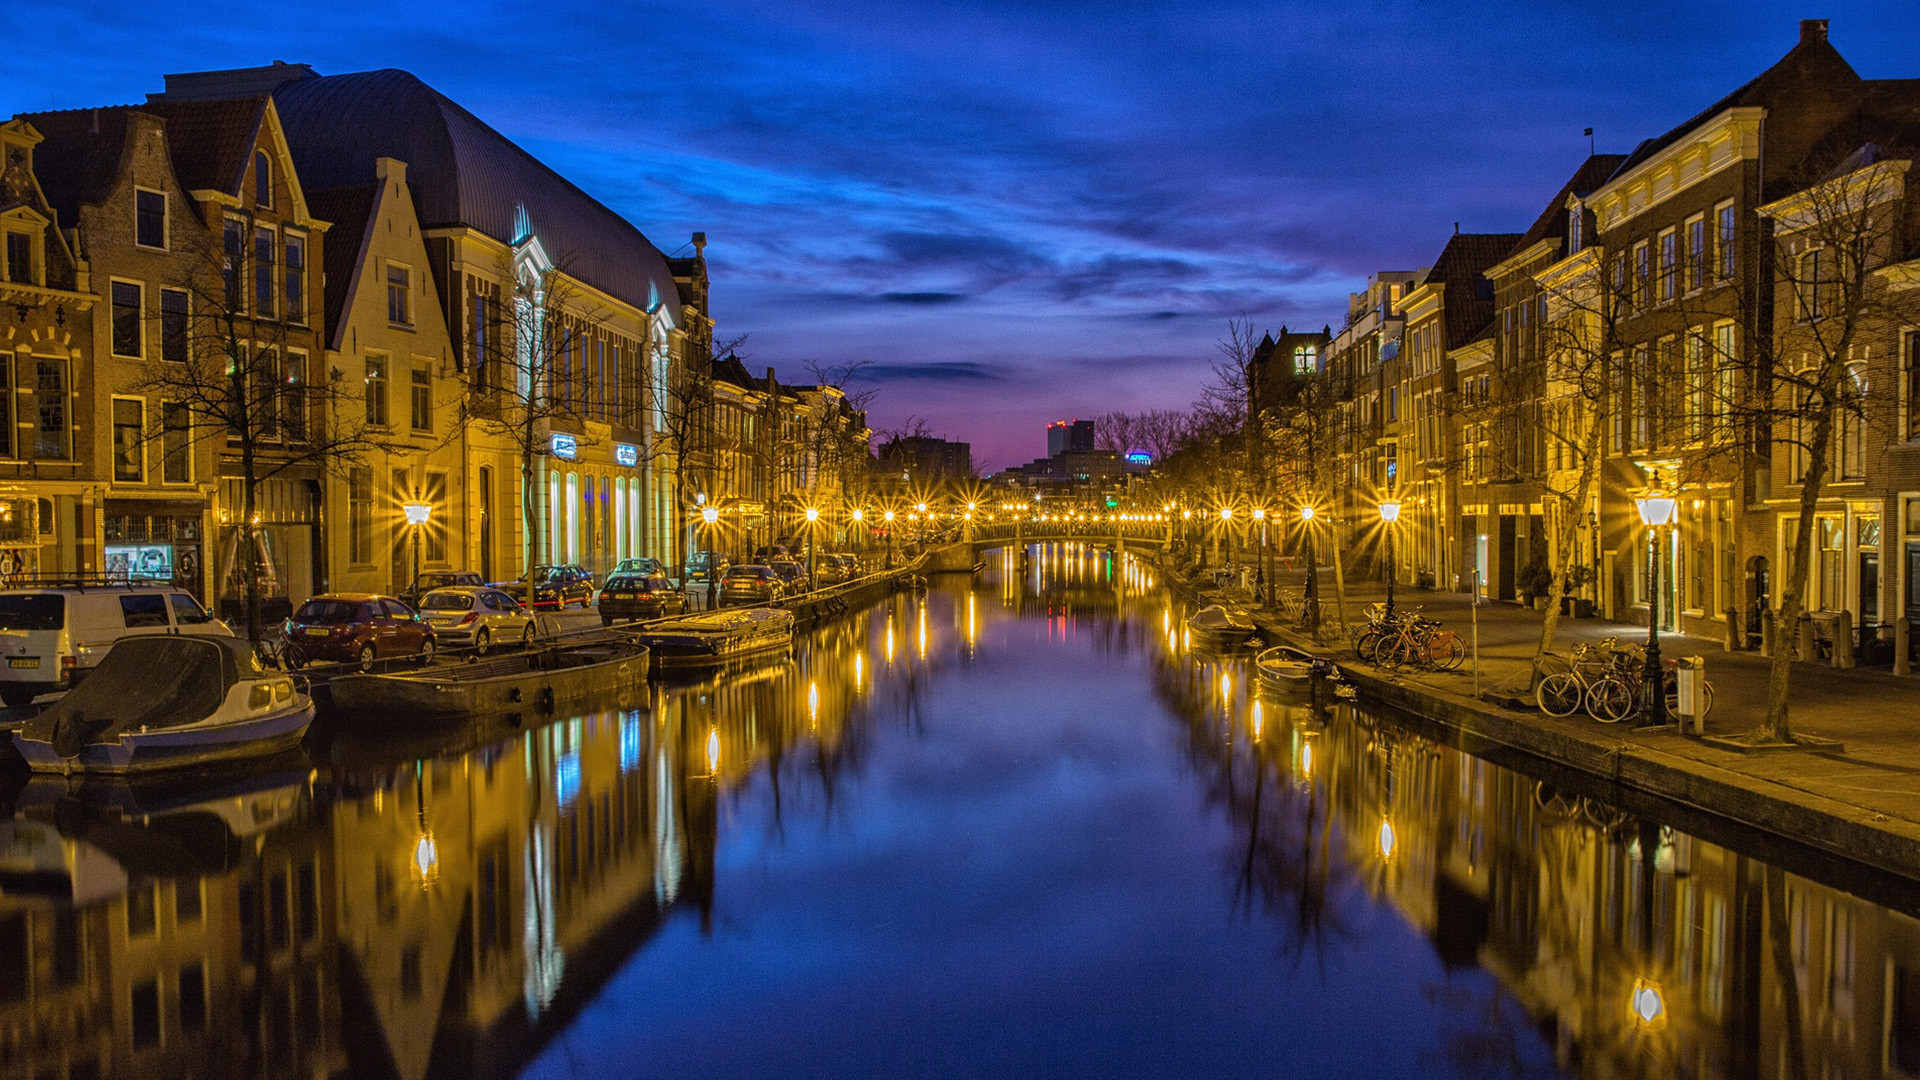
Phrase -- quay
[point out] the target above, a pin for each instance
(1859, 803)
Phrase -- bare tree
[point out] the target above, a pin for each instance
(228, 377)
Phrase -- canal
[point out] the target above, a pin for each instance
(1012, 826)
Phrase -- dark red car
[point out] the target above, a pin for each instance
(356, 628)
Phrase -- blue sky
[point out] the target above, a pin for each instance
(1015, 212)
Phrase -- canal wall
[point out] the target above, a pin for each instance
(1658, 763)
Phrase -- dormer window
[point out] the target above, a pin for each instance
(19, 256)
(262, 180)
(1574, 237)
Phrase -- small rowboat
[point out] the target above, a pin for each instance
(1285, 667)
(1220, 628)
(542, 680)
(168, 702)
(713, 637)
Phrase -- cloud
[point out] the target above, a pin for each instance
(923, 298)
(938, 371)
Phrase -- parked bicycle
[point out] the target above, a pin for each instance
(1605, 678)
(1421, 641)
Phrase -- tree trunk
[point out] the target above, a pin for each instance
(1339, 576)
(1564, 533)
(1777, 726)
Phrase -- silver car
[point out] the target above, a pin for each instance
(479, 616)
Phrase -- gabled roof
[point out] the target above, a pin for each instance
(1461, 265)
(1552, 222)
(212, 141)
(79, 158)
(350, 211)
(461, 171)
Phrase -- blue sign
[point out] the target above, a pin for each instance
(626, 453)
(1139, 457)
(563, 445)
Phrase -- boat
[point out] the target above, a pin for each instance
(713, 637)
(1285, 667)
(167, 702)
(1220, 628)
(541, 679)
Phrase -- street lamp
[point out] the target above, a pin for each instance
(1312, 593)
(813, 518)
(1390, 513)
(1656, 511)
(1260, 564)
(889, 539)
(709, 515)
(417, 515)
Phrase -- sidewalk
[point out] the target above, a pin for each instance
(1861, 803)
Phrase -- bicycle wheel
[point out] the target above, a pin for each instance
(1609, 701)
(1558, 694)
(1367, 646)
(1393, 653)
(1449, 656)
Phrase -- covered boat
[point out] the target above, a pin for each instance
(1221, 627)
(712, 637)
(159, 702)
(543, 680)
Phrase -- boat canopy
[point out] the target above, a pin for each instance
(156, 681)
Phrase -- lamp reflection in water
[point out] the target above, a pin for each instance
(713, 752)
(1388, 840)
(1649, 1006)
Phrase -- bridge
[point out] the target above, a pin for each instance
(962, 554)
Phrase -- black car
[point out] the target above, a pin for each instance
(639, 596)
(554, 587)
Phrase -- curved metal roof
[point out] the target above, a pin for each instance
(463, 172)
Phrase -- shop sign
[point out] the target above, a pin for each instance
(563, 445)
(626, 453)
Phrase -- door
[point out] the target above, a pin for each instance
(1913, 582)
(1508, 557)
(486, 524)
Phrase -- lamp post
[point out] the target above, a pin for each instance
(813, 518)
(1312, 613)
(1656, 511)
(1260, 562)
(709, 515)
(1390, 513)
(417, 515)
(889, 539)
(1226, 525)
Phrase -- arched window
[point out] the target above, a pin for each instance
(1853, 428)
(262, 180)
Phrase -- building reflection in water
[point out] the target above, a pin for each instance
(1631, 947)
(404, 910)
(443, 909)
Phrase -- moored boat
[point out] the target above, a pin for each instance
(1220, 627)
(1285, 667)
(542, 680)
(164, 702)
(712, 637)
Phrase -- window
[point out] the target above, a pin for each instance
(399, 295)
(149, 218)
(129, 458)
(193, 991)
(142, 915)
(1574, 223)
(295, 277)
(268, 380)
(188, 612)
(435, 495)
(1911, 360)
(143, 610)
(173, 325)
(50, 408)
(1642, 272)
(127, 298)
(359, 515)
(144, 1014)
(6, 404)
(376, 390)
(1669, 264)
(262, 180)
(421, 398)
(1622, 294)
(1699, 386)
(1726, 369)
(1853, 427)
(20, 258)
(263, 261)
(233, 244)
(1696, 252)
(293, 396)
(1724, 240)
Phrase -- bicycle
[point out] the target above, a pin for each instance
(1422, 641)
(1560, 693)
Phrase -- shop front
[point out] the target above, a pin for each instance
(156, 540)
(279, 552)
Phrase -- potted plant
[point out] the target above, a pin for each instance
(1577, 606)
(1534, 581)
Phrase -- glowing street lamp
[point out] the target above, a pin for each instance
(417, 515)
(710, 514)
(1656, 511)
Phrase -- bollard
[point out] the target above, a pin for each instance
(1766, 632)
(1902, 636)
(1843, 640)
(1803, 638)
(1732, 641)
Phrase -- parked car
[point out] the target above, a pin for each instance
(751, 583)
(477, 615)
(833, 569)
(702, 563)
(437, 579)
(356, 628)
(639, 596)
(793, 574)
(53, 636)
(641, 566)
(553, 587)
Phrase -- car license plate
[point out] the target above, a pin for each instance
(315, 631)
(29, 662)
(623, 596)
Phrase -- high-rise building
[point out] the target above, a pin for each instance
(1069, 436)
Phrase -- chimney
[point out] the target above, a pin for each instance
(393, 169)
(1812, 30)
(700, 243)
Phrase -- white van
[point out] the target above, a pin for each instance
(51, 637)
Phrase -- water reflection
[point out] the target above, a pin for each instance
(449, 907)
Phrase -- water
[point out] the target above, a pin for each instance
(1011, 828)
